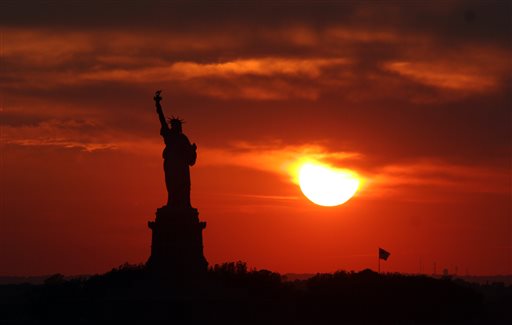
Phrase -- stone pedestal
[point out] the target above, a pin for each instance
(177, 243)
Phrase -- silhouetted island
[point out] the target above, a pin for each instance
(232, 294)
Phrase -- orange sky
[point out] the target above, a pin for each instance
(413, 96)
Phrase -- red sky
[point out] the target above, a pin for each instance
(412, 95)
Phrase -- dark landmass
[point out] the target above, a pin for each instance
(34, 279)
(487, 279)
(287, 277)
(297, 276)
(480, 279)
(230, 293)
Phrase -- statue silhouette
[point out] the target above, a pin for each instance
(176, 240)
(178, 155)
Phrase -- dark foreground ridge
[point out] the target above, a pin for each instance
(232, 294)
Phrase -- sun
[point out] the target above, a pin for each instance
(326, 186)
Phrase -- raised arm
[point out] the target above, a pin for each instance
(159, 110)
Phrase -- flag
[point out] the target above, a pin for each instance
(383, 254)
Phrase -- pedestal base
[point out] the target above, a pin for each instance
(177, 243)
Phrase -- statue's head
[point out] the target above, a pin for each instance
(176, 124)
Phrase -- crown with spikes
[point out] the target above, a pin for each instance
(175, 120)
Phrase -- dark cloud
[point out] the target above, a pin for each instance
(17, 119)
(489, 21)
(198, 14)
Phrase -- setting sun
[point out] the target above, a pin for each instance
(326, 186)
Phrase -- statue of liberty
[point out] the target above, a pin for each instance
(176, 233)
(178, 155)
